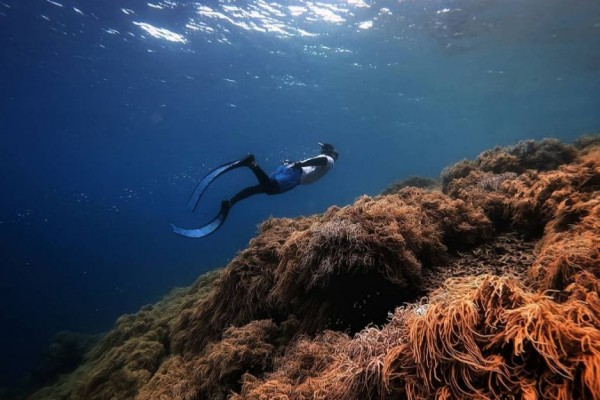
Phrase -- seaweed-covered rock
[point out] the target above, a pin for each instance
(414, 181)
(489, 336)
(490, 289)
(587, 141)
(127, 357)
(249, 276)
(218, 369)
(65, 353)
(545, 155)
(476, 337)
(321, 268)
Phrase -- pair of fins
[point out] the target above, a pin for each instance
(217, 221)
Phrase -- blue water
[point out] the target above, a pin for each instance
(112, 111)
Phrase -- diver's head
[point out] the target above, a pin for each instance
(329, 150)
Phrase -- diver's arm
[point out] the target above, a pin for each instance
(318, 161)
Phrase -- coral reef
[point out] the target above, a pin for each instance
(488, 288)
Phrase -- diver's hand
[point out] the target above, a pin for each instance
(292, 164)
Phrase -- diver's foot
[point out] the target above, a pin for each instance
(248, 161)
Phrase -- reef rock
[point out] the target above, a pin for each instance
(488, 288)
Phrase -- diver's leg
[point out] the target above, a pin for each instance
(269, 185)
(260, 174)
(245, 193)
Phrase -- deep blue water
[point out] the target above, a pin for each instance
(112, 111)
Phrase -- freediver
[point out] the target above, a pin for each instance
(286, 177)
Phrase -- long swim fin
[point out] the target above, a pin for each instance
(207, 229)
(214, 174)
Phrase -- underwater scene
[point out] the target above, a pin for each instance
(303, 199)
